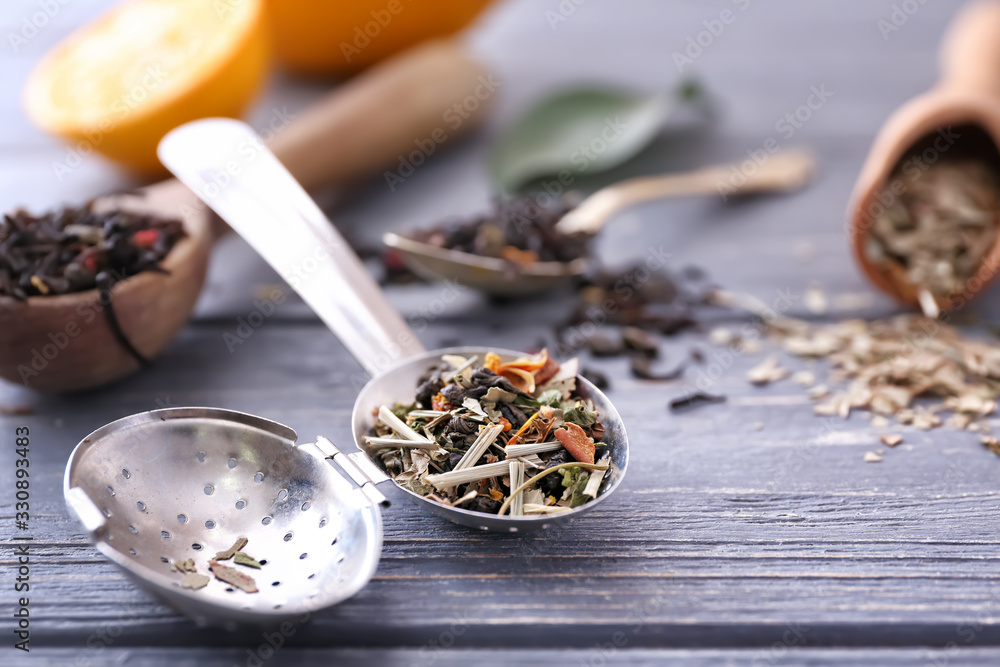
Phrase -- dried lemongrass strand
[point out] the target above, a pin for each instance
(516, 480)
(452, 359)
(548, 471)
(514, 451)
(446, 480)
(534, 508)
(378, 442)
(386, 416)
(478, 448)
(427, 414)
(595, 480)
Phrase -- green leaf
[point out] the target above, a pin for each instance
(575, 479)
(401, 410)
(585, 131)
(551, 398)
(524, 401)
(580, 414)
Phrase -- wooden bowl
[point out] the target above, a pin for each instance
(66, 343)
(966, 103)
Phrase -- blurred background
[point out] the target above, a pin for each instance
(842, 67)
(764, 63)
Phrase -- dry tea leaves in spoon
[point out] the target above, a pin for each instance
(231, 551)
(481, 423)
(186, 565)
(518, 231)
(241, 558)
(194, 580)
(233, 577)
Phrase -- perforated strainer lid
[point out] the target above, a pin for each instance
(160, 487)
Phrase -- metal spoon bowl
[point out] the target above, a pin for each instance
(398, 385)
(784, 171)
(160, 487)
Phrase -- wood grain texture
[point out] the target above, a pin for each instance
(540, 658)
(779, 545)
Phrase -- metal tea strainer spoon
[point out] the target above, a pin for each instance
(268, 208)
(159, 487)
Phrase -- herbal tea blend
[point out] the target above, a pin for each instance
(517, 230)
(936, 234)
(492, 437)
(74, 249)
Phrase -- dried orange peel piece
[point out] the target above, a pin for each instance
(580, 446)
(493, 362)
(530, 364)
(522, 380)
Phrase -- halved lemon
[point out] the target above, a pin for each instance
(118, 85)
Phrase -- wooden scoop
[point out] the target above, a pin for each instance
(75, 341)
(960, 116)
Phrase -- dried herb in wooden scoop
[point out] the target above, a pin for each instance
(940, 229)
(68, 250)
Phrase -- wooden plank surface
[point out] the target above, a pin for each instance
(722, 535)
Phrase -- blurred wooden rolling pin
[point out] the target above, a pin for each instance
(425, 97)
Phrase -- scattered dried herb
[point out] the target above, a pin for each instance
(891, 439)
(937, 232)
(241, 558)
(642, 368)
(16, 410)
(766, 372)
(888, 364)
(991, 443)
(186, 565)
(73, 249)
(693, 400)
(194, 580)
(647, 301)
(472, 418)
(233, 576)
(231, 551)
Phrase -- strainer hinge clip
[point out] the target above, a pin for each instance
(363, 472)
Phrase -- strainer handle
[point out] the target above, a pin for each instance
(364, 473)
(226, 164)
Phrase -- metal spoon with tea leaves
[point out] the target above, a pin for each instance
(265, 205)
(787, 170)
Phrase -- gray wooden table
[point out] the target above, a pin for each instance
(727, 545)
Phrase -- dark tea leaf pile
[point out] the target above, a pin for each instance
(519, 230)
(76, 249)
